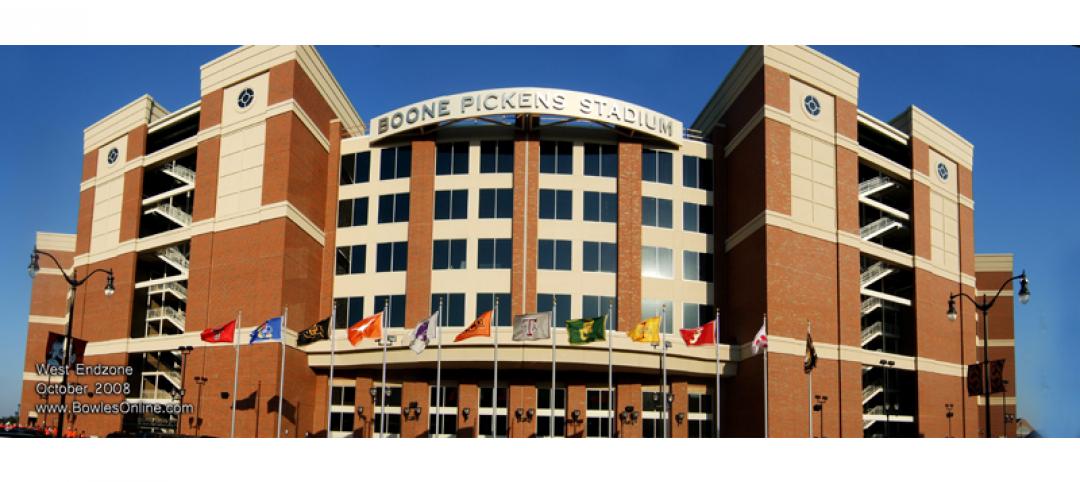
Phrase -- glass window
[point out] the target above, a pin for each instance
(697, 173)
(341, 421)
(395, 162)
(554, 254)
(695, 315)
(451, 158)
(656, 262)
(355, 168)
(697, 266)
(556, 204)
(359, 259)
(496, 203)
(452, 204)
(655, 212)
(543, 407)
(493, 253)
(601, 206)
(599, 257)
(656, 166)
(496, 157)
(601, 160)
(396, 317)
(348, 311)
(486, 302)
(651, 308)
(360, 211)
(343, 262)
(697, 218)
(545, 301)
(556, 157)
(453, 308)
(348, 169)
(394, 208)
(343, 396)
(595, 306)
(448, 254)
(345, 214)
(390, 257)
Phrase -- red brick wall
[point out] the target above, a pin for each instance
(524, 229)
(847, 191)
(628, 278)
(131, 207)
(136, 142)
(628, 395)
(294, 167)
(521, 397)
(333, 164)
(85, 222)
(89, 164)
(468, 397)
(421, 224)
(206, 178)
(289, 81)
(210, 109)
(414, 391)
(777, 88)
(847, 119)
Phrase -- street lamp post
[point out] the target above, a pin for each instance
(984, 307)
(820, 407)
(885, 364)
(948, 415)
(73, 282)
(200, 381)
(184, 351)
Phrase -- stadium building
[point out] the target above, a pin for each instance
(270, 195)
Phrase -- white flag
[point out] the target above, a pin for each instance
(760, 340)
(423, 333)
(532, 326)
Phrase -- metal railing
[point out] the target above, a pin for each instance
(173, 213)
(876, 228)
(180, 172)
(871, 331)
(873, 273)
(177, 288)
(870, 304)
(875, 410)
(173, 255)
(869, 391)
(875, 184)
(176, 317)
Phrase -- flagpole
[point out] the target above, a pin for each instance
(663, 369)
(438, 372)
(809, 390)
(716, 344)
(610, 385)
(382, 389)
(330, 381)
(551, 398)
(765, 372)
(495, 384)
(236, 371)
(281, 382)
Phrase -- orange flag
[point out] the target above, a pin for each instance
(480, 327)
(370, 327)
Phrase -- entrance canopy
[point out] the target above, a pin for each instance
(567, 104)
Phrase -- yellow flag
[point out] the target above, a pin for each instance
(647, 331)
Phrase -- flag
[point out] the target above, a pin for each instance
(586, 330)
(423, 333)
(975, 379)
(761, 340)
(532, 326)
(810, 359)
(479, 327)
(270, 330)
(54, 350)
(997, 370)
(319, 331)
(370, 327)
(702, 335)
(222, 334)
(648, 331)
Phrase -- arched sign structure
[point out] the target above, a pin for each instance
(527, 100)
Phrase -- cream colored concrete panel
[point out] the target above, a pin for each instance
(56, 241)
(814, 67)
(103, 167)
(920, 124)
(232, 113)
(824, 196)
(105, 226)
(825, 175)
(824, 217)
(802, 211)
(802, 166)
(824, 152)
(139, 111)
(369, 285)
(801, 145)
(240, 170)
(940, 162)
(824, 123)
(994, 262)
(802, 187)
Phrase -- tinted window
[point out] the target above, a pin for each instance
(497, 156)
(556, 204)
(452, 204)
(545, 301)
(496, 203)
(556, 157)
(486, 302)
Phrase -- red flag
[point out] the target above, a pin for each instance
(702, 335)
(222, 334)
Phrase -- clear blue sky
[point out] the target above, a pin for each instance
(1019, 106)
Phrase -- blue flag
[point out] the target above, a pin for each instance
(270, 330)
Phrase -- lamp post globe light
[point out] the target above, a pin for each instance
(984, 307)
(73, 282)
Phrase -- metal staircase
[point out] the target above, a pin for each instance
(182, 174)
(870, 304)
(875, 185)
(172, 213)
(174, 258)
(176, 289)
(868, 393)
(879, 227)
(167, 313)
(873, 331)
(874, 273)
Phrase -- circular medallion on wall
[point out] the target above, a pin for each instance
(114, 154)
(246, 97)
(811, 105)
(943, 171)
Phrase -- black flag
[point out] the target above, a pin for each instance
(975, 379)
(810, 360)
(314, 333)
(997, 371)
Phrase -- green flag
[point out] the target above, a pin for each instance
(586, 330)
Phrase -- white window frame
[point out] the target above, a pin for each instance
(378, 409)
(343, 408)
